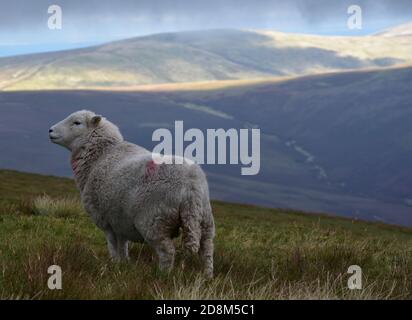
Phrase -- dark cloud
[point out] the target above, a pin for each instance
(88, 18)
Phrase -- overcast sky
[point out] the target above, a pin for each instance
(23, 24)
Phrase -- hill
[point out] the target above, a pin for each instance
(260, 253)
(199, 56)
(337, 142)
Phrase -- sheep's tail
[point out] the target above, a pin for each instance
(191, 215)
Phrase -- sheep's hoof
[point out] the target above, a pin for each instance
(208, 274)
(166, 267)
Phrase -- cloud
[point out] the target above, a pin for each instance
(84, 20)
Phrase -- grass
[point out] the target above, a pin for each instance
(63, 208)
(260, 253)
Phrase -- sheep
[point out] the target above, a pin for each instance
(132, 196)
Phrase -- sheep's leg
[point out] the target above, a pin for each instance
(206, 254)
(112, 244)
(206, 243)
(165, 250)
(158, 236)
(122, 248)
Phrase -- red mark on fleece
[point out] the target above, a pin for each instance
(150, 168)
(73, 163)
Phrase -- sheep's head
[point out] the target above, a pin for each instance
(73, 131)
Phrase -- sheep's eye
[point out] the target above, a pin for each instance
(77, 123)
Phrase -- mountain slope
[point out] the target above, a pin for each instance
(352, 128)
(336, 142)
(199, 56)
(367, 113)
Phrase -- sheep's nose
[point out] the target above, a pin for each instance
(50, 130)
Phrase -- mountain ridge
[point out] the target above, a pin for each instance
(195, 56)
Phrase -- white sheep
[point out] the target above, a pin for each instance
(131, 197)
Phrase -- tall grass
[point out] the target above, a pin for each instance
(62, 208)
(260, 254)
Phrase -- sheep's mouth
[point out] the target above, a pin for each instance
(54, 139)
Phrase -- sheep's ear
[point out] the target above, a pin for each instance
(96, 120)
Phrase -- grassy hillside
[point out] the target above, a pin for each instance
(199, 56)
(260, 253)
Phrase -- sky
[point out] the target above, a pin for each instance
(24, 28)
